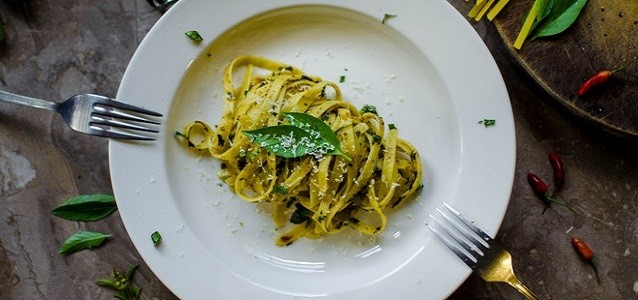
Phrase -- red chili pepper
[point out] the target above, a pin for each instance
(542, 190)
(539, 187)
(600, 78)
(559, 170)
(585, 253)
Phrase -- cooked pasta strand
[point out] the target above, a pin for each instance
(320, 195)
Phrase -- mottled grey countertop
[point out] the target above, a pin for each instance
(55, 49)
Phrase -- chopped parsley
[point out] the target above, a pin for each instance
(280, 189)
(301, 214)
(342, 78)
(487, 122)
(368, 108)
(194, 36)
(156, 237)
(387, 17)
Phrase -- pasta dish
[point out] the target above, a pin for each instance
(289, 140)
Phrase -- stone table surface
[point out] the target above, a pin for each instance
(54, 49)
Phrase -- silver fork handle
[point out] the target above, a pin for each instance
(28, 101)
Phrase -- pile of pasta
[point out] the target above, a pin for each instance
(309, 196)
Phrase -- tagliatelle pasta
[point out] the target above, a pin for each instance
(319, 194)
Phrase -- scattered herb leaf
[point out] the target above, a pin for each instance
(156, 237)
(122, 283)
(392, 126)
(194, 36)
(368, 108)
(86, 208)
(280, 189)
(487, 122)
(82, 240)
(342, 78)
(301, 214)
(387, 17)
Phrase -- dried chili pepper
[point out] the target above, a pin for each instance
(542, 190)
(600, 78)
(559, 171)
(585, 253)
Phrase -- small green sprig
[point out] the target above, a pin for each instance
(122, 283)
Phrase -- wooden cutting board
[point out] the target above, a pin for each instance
(603, 37)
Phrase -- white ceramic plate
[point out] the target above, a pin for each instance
(425, 70)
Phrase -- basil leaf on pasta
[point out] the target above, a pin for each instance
(306, 135)
(285, 140)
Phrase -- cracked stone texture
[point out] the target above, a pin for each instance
(56, 49)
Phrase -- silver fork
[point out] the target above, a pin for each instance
(477, 249)
(98, 115)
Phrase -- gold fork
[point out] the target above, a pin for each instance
(477, 249)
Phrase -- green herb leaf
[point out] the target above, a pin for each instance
(368, 108)
(301, 214)
(280, 189)
(387, 17)
(284, 140)
(86, 208)
(305, 135)
(487, 122)
(317, 129)
(561, 16)
(194, 36)
(123, 284)
(82, 240)
(156, 237)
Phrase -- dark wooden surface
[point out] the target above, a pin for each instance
(605, 36)
(58, 48)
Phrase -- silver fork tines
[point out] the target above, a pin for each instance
(484, 255)
(98, 115)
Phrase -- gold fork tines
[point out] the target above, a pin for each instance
(484, 255)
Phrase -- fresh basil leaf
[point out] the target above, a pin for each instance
(318, 130)
(562, 15)
(306, 135)
(86, 208)
(284, 140)
(82, 240)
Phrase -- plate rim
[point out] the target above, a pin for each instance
(466, 130)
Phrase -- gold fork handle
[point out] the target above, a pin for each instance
(521, 288)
